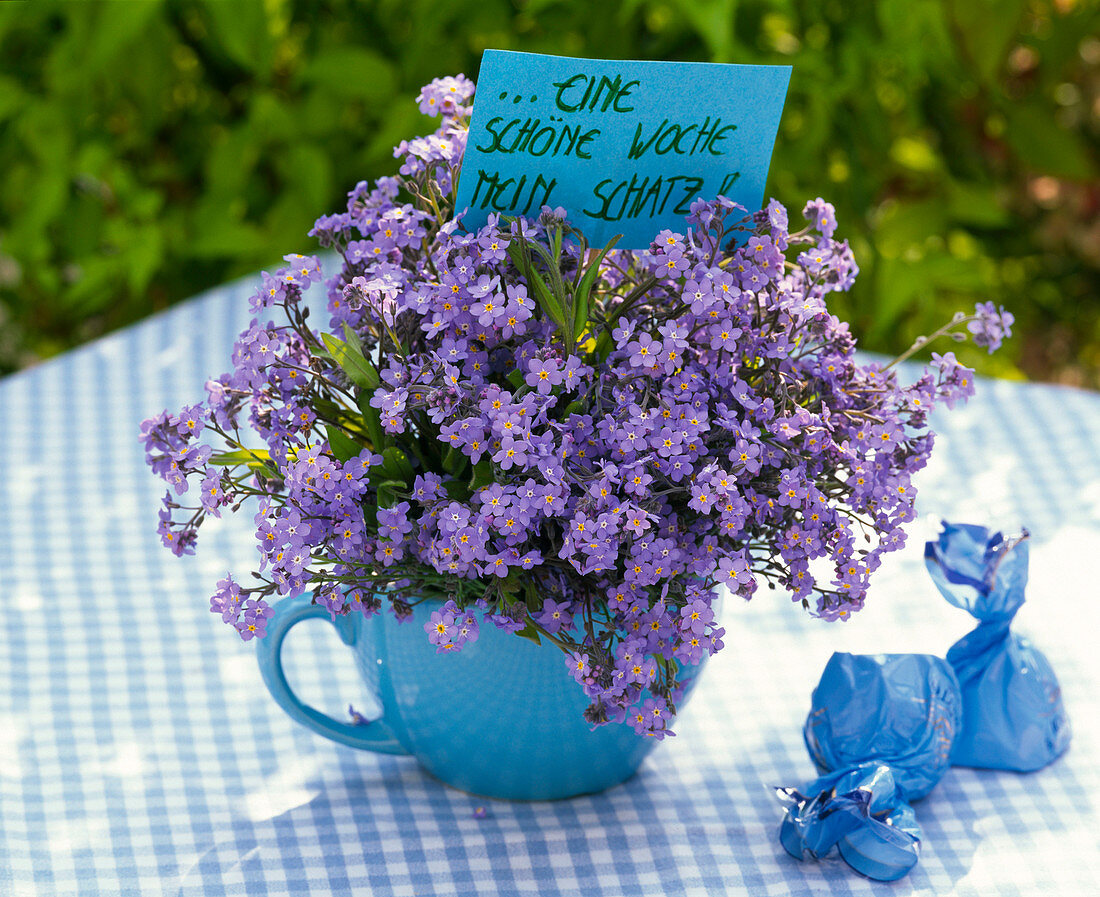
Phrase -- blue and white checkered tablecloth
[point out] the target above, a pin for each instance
(141, 755)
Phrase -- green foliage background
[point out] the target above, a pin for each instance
(149, 150)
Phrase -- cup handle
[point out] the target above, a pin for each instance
(373, 736)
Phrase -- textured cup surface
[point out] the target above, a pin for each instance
(502, 717)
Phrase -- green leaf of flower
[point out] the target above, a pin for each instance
(530, 633)
(352, 362)
(482, 475)
(344, 448)
(387, 493)
(256, 459)
(395, 465)
(581, 298)
(373, 422)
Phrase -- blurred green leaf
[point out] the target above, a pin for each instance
(229, 164)
(12, 97)
(399, 119)
(1044, 146)
(975, 204)
(713, 21)
(309, 168)
(116, 27)
(144, 257)
(904, 225)
(985, 30)
(351, 72)
(915, 153)
(91, 277)
(271, 119)
(241, 28)
(215, 235)
(43, 205)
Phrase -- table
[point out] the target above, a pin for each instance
(141, 755)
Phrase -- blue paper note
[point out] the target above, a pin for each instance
(624, 147)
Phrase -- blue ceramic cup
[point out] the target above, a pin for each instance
(502, 717)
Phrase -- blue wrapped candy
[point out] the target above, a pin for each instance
(1013, 716)
(880, 731)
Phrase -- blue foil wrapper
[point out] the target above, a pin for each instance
(880, 731)
(1013, 715)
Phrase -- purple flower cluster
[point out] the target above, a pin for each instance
(574, 445)
(990, 327)
(449, 628)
